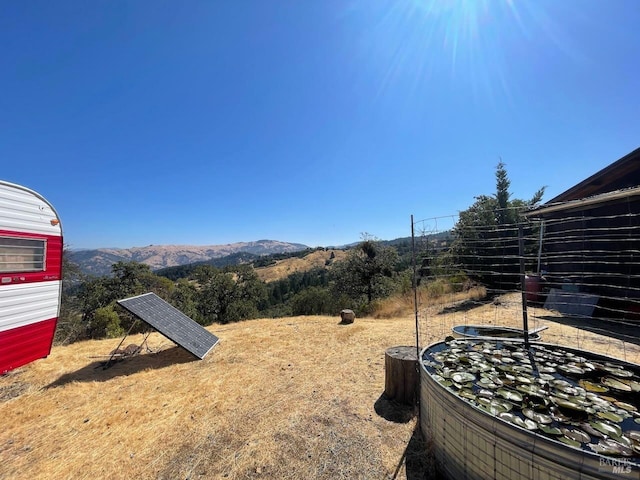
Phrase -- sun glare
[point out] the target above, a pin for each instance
(461, 42)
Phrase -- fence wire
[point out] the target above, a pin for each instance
(573, 278)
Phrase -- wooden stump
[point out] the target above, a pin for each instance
(401, 375)
(347, 316)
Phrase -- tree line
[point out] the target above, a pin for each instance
(209, 294)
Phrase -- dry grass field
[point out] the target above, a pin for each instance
(291, 398)
(286, 267)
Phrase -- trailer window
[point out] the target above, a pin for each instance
(21, 255)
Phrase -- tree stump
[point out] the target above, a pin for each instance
(401, 375)
(347, 316)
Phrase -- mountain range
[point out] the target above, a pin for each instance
(98, 261)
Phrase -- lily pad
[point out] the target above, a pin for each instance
(467, 393)
(626, 406)
(570, 441)
(570, 369)
(463, 377)
(592, 387)
(508, 416)
(616, 384)
(510, 394)
(576, 434)
(607, 428)
(611, 416)
(537, 417)
(550, 430)
(483, 392)
(590, 430)
(611, 447)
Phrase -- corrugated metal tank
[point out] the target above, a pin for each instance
(468, 443)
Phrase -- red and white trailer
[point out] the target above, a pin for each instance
(30, 275)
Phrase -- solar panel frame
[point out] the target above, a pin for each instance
(171, 323)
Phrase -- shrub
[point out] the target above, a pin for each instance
(106, 323)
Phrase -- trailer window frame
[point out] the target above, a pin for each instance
(22, 254)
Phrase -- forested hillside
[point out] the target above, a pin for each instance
(238, 287)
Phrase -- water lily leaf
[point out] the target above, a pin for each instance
(611, 447)
(612, 416)
(503, 404)
(558, 416)
(507, 416)
(524, 380)
(616, 384)
(576, 434)
(561, 384)
(572, 409)
(537, 417)
(590, 430)
(463, 377)
(607, 428)
(568, 389)
(483, 392)
(467, 393)
(592, 387)
(550, 430)
(571, 369)
(483, 367)
(531, 390)
(494, 409)
(569, 441)
(518, 421)
(621, 373)
(626, 406)
(635, 386)
(510, 394)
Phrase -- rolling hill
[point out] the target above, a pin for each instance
(98, 261)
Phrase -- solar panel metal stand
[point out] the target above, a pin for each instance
(114, 356)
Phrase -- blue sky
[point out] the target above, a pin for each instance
(212, 122)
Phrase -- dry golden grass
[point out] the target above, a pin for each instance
(403, 304)
(295, 398)
(287, 398)
(286, 267)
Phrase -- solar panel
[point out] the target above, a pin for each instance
(171, 323)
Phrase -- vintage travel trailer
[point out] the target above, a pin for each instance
(30, 275)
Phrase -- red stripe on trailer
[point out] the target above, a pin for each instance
(22, 345)
(53, 258)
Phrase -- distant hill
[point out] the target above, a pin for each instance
(269, 268)
(98, 262)
(319, 258)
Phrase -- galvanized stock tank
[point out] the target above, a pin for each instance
(469, 442)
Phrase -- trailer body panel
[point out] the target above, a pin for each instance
(31, 246)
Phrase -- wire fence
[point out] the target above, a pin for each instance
(574, 279)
